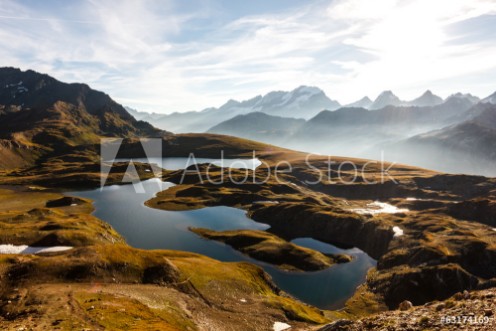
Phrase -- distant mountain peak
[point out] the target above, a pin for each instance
(490, 99)
(465, 96)
(230, 103)
(386, 93)
(427, 99)
(364, 102)
(386, 98)
(302, 102)
(308, 89)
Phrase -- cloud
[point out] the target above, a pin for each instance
(410, 42)
(165, 56)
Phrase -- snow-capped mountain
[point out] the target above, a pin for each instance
(303, 102)
(386, 98)
(364, 102)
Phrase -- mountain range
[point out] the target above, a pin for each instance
(454, 136)
(304, 102)
(306, 119)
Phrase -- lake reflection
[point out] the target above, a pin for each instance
(149, 228)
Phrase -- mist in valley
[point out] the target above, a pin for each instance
(454, 136)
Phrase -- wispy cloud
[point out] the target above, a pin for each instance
(412, 46)
(168, 56)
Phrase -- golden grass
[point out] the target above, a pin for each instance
(117, 313)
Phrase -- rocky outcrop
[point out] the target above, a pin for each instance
(293, 220)
(160, 274)
(267, 247)
(477, 210)
(12, 144)
(463, 311)
(64, 202)
(422, 284)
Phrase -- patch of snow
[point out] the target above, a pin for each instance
(280, 326)
(24, 249)
(302, 93)
(37, 250)
(303, 98)
(398, 232)
(112, 187)
(74, 204)
(242, 300)
(417, 199)
(148, 170)
(286, 97)
(251, 164)
(378, 207)
(311, 90)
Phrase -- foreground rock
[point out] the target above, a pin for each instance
(469, 311)
(267, 247)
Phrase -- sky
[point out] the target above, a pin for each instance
(179, 55)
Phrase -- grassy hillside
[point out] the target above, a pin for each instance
(46, 117)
